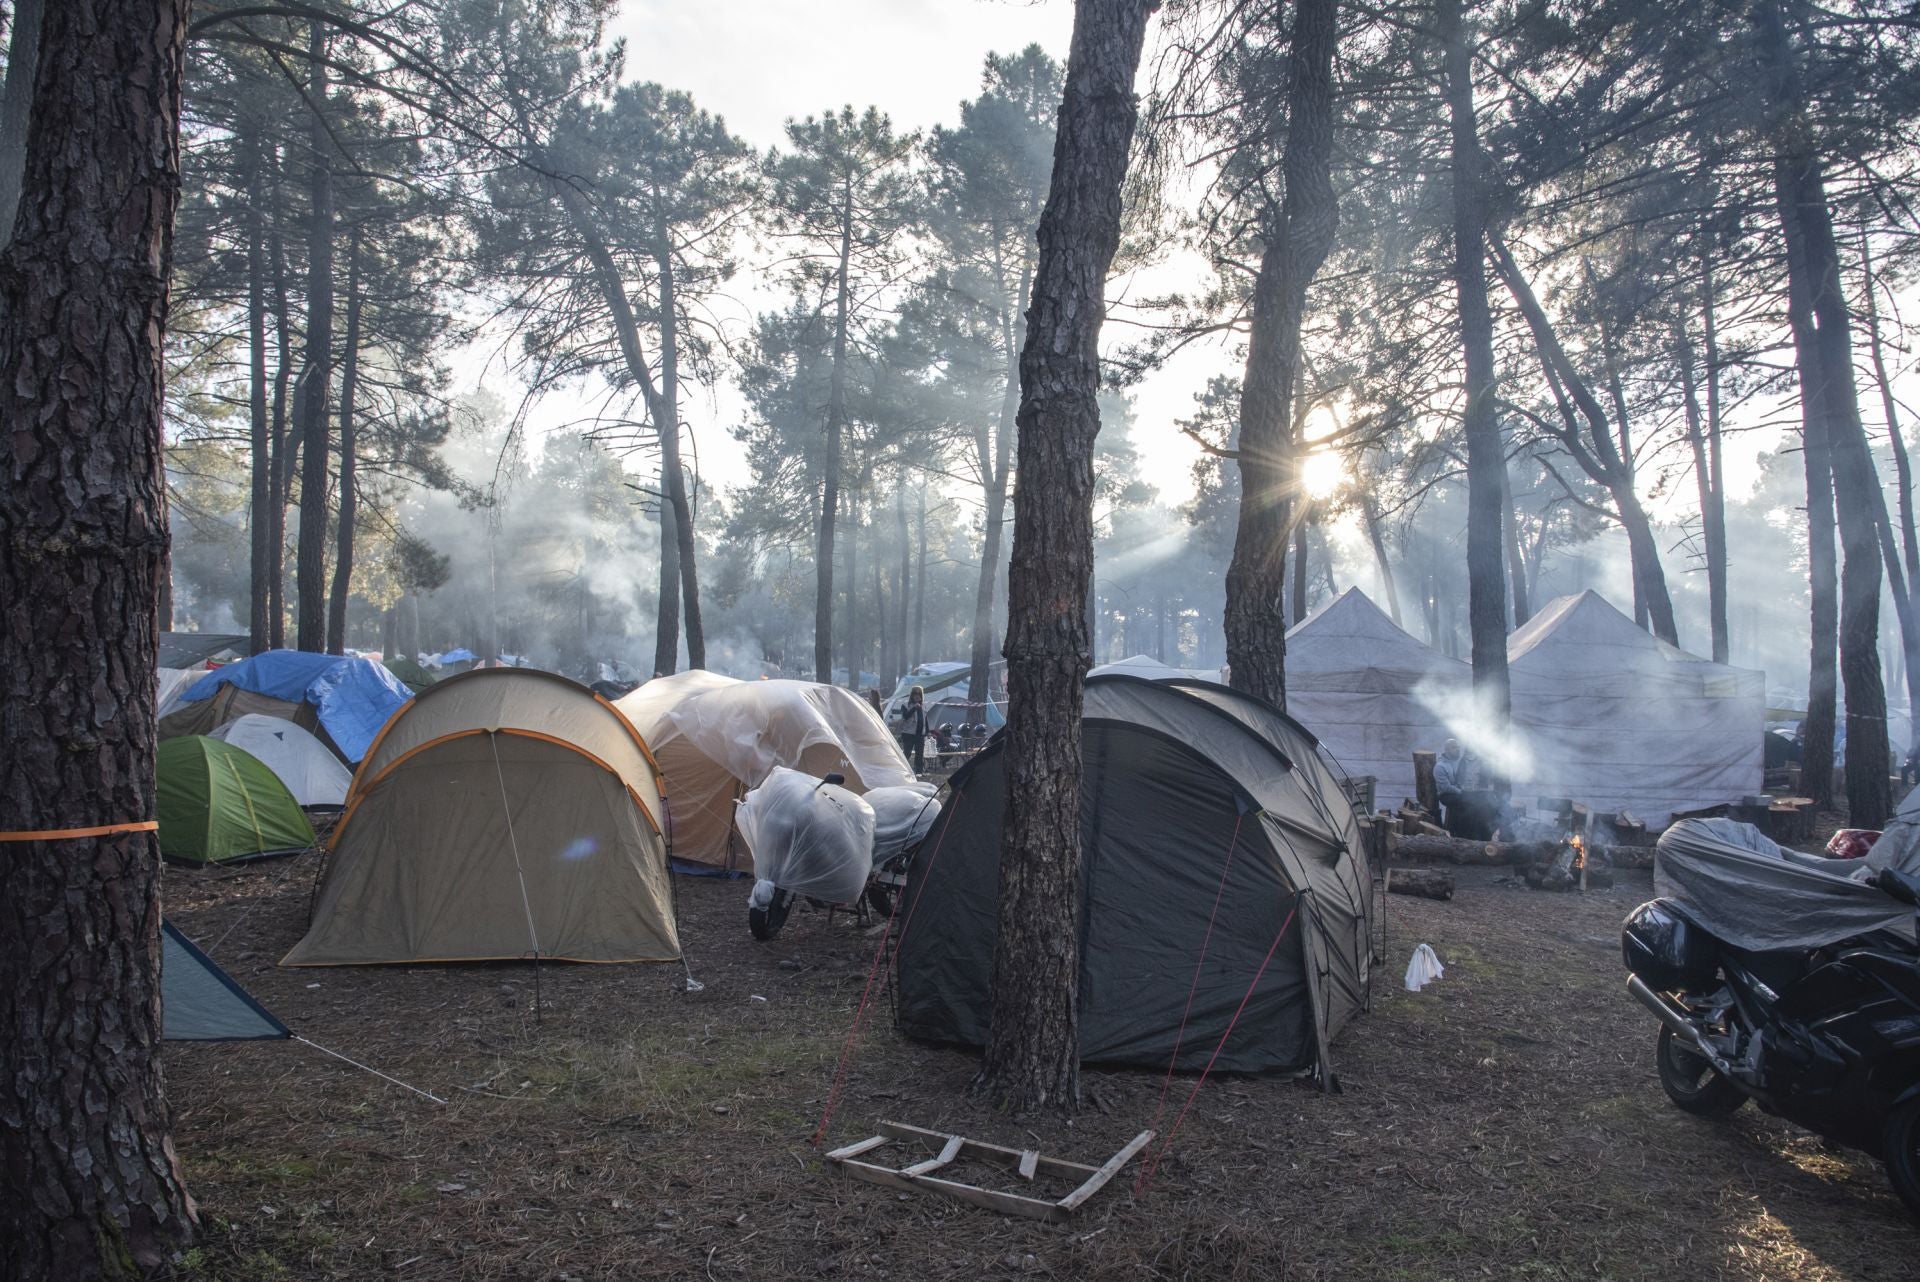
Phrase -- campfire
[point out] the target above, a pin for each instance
(1572, 866)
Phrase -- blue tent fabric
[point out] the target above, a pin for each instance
(199, 1002)
(353, 697)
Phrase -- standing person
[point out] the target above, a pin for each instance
(1449, 783)
(910, 727)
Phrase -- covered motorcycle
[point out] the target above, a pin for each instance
(1787, 979)
(809, 837)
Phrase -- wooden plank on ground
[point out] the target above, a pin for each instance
(948, 1151)
(994, 1153)
(990, 1199)
(855, 1150)
(1106, 1172)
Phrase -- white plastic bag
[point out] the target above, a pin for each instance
(809, 837)
(902, 817)
(1423, 968)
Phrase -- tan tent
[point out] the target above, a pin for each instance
(504, 813)
(715, 738)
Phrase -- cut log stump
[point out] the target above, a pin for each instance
(1426, 883)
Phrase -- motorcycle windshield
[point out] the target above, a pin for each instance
(1742, 889)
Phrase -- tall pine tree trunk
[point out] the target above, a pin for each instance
(1486, 459)
(343, 525)
(91, 1186)
(830, 463)
(1298, 239)
(1033, 1044)
(919, 654)
(16, 107)
(262, 563)
(1824, 353)
(282, 466)
(673, 475)
(853, 640)
(1516, 559)
(312, 393)
(1904, 585)
(907, 658)
(995, 463)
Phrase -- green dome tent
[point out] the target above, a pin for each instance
(411, 674)
(218, 803)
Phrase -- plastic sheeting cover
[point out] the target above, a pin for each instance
(1740, 888)
(902, 817)
(352, 697)
(809, 837)
(754, 727)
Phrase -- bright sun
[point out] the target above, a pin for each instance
(1322, 473)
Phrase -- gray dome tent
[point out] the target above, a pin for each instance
(1177, 773)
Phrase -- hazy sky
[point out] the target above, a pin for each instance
(760, 62)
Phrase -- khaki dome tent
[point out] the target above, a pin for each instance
(1218, 846)
(505, 813)
(715, 738)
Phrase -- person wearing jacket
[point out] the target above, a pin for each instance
(910, 727)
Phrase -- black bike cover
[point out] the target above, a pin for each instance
(1748, 892)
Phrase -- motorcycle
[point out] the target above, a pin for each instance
(1827, 1038)
(814, 840)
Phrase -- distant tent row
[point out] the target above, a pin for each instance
(1604, 713)
(1220, 867)
(342, 700)
(716, 737)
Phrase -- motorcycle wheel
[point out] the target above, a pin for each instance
(1691, 1081)
(766, 922)
(880, 901)
(1900, 1150)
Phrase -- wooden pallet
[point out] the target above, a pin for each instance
(1026, 1163)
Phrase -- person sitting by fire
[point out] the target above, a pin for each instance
(1449, 782)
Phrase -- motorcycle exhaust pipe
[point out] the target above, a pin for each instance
(1676, 1019)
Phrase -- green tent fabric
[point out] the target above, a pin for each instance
(218, 803)
(411, 674)
(199, 1002)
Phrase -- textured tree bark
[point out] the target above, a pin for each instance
(343, 525)
(1296, 244)
(89, 1186)
(1486, 459)
(1033, 1044)
(1824, 354)
(316, 379)
(261, 561)
(16, 107)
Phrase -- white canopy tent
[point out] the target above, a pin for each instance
(1619, 720)
(1370, 692)
(311, 772)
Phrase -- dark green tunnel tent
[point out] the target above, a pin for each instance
(218, 803)
(199, 1002)
(1211, 825)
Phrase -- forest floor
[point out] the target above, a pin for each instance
(1506, 1123)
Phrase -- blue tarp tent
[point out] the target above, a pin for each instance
(352, 697)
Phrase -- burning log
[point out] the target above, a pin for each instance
(1427, 883)
(1572, 867)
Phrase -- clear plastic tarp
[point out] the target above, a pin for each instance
(809, 837)
(902, 817)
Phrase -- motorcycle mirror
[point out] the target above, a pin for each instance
(835, 779)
